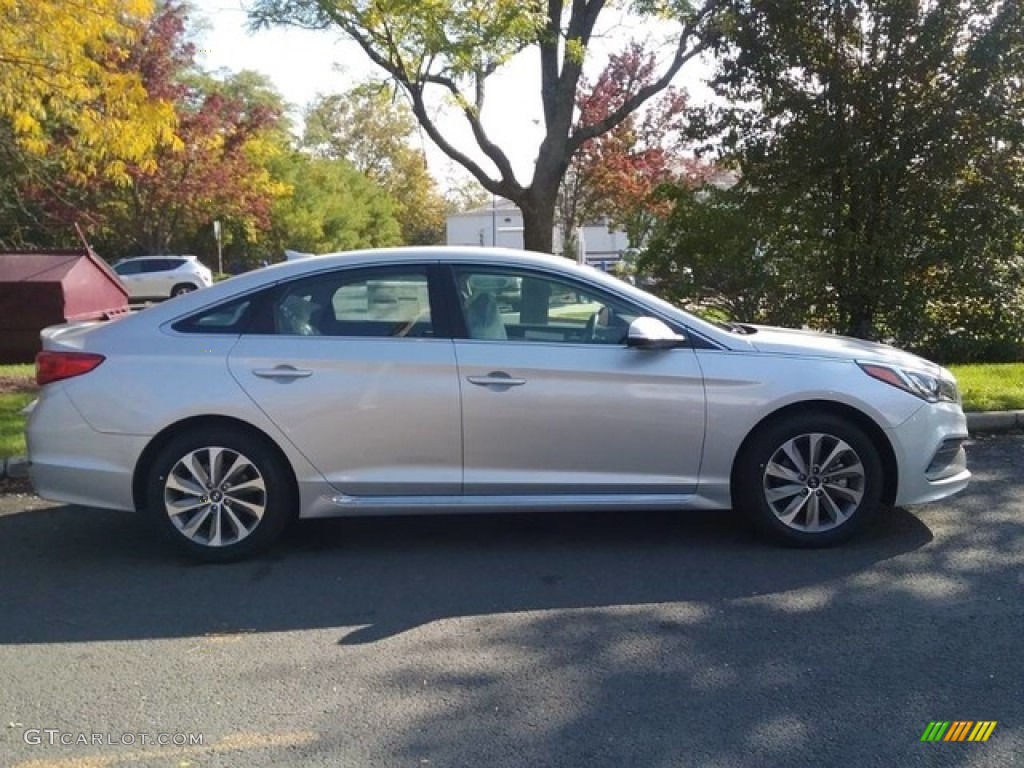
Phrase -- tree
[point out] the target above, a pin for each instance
(226, 129)
(331, 206)
(615, 175)
(707, 252)
(216, 168)
(879, 146)
(372, 130)
(452, 47)
(63, 86)
(219, 173)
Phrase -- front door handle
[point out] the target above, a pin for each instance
(282, 372)
(495, 379)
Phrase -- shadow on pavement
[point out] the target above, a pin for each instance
(75, 574)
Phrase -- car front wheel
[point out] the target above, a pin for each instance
(219, 495)
(178, 290)
(809, 480)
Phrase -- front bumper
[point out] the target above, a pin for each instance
(929, 449)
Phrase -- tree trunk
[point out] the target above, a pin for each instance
(538, 221)
(857, 317)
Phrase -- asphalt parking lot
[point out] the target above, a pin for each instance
(570, 640)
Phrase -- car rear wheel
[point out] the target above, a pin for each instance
(810, 480)
(182, 288)
(220, 494)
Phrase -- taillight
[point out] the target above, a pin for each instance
(55, 366)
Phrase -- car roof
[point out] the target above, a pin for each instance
(158, 256)
(430, 253)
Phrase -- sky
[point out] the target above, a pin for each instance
(303, 64)
(300, 63)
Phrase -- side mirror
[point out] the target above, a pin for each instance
(652, 333)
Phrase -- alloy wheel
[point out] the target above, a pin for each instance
(814, 482)
(215, 496)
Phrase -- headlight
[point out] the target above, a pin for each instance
(933, 389)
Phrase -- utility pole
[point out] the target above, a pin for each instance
(220, 257)
(494, 220)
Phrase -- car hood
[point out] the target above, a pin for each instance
(785, 341)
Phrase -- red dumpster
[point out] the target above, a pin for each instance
(41, 288)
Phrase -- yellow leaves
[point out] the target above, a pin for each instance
(59, 75)
(260, 150)
(22, 123)
(575, 50)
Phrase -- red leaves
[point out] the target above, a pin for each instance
(215, 166)
(162, 53)
(619, 171)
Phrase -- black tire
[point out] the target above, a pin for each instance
(242, 512)
(808, 508)
(181, 288)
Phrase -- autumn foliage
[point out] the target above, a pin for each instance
(210, 164)
(215, 169)
(64, 86)
(616, 174)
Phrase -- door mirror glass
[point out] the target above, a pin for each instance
(652, 333)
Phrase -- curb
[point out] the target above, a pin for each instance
(995, 421)
(14, 467)
(978, 421)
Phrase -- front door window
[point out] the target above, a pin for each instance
(524, 306)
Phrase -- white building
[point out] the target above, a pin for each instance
(501, 224)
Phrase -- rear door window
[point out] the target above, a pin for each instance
(374, 302)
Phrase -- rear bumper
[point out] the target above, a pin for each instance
(70, 462)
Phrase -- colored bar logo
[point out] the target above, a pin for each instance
(958, 730)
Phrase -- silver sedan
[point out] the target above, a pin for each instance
(469, 380)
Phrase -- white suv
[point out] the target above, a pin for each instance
(160, 277)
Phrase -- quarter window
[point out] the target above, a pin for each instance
(231, 317)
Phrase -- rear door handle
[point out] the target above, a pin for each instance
(282, 372)
(495, 379)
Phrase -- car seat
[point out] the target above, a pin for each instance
(483, 320)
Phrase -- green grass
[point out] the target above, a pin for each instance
(991, 387)
(17, 388)
(26, 371)
(12, 439)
